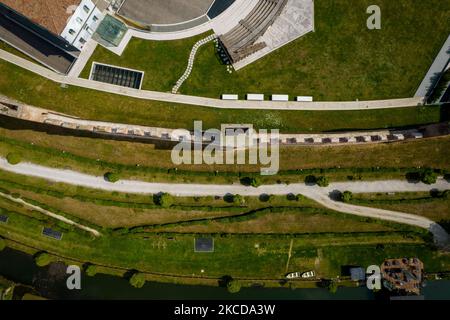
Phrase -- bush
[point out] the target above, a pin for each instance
(446, 195)
(42, 259)
(112, 177)
(164, 200)
(310, 179)
(429, 176)
(233, 286)
(2, 244)
(251, 181)
(13, 158)
(323, 182)
(346, 196)
(238, 200)
(332, 287)
(137, 280)
(91, 270)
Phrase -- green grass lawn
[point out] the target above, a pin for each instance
(163, 62)
(89, 104)
(342, 59)
(434, 208)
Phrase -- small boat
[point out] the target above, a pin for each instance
(308, 274)
(294, 275)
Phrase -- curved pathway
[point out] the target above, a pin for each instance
(191, 60)
(320, 195)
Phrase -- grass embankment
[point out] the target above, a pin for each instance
(142, 161)
(342, 59)
(89, 104)
(436, 208)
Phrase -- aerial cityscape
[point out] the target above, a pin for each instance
(208, 150)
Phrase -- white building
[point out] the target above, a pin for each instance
(82, 24)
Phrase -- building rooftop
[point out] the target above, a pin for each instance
(51, 14)
(403, 274)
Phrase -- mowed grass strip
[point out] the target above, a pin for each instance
(342, 59)
(27, 87)
(436, 209)
(283, 222)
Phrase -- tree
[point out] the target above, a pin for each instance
(91, 270)
(137, 280)
(238, 200)
(13, 158)
(2, 244)
(42, 259)
(233, 286)
(332, 286)
(323, 182)
(346, 196)
(164, 200)
(112, 177)
(251, 181)
(429, 176)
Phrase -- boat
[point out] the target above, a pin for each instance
(294, 275)
(308, 274)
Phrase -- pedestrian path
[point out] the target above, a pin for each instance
(316, 193)
(207, 102)
(191, 61)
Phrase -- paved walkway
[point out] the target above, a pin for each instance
(206, 102)
(320, 195)
(440, 63)
(191, 61)
(83, 59)
(221, 24)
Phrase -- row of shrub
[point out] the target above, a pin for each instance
(247, 216)
(156, 201)
(258, 213)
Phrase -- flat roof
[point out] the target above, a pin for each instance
(51, 14)
(35, 41)
(164, 11)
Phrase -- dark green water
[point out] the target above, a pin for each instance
(51, 282)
